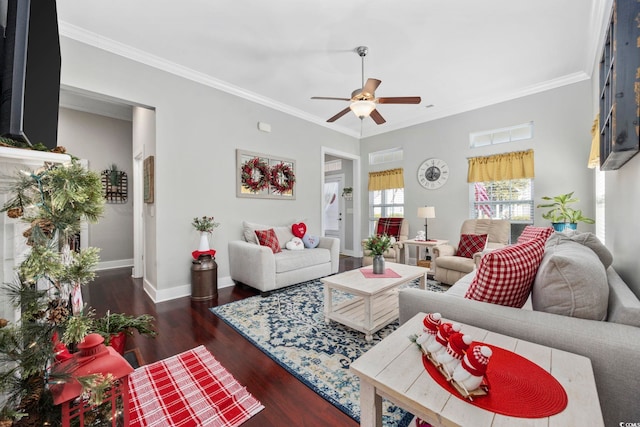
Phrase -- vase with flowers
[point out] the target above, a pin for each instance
(378, 245)
(205, 225)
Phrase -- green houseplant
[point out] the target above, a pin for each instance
(115, 327)
(378, 245)
(561, 214)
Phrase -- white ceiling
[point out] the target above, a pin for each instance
(456, 54)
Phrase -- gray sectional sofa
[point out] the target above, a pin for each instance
(257, 266)
(567, 285)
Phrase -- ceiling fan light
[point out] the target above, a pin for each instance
(362, 109)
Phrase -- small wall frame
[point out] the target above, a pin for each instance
(114, 186)
(264, 176)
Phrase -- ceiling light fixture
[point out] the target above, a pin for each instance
(362, 109)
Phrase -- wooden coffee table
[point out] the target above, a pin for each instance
(375, 302)
(393, 370)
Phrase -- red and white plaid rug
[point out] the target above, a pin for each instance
(189, 389)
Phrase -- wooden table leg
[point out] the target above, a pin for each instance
(423, 281)
(328, 304)
(368, 317)
(370, 406)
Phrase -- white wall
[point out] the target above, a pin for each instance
(198, 129)
(562, 120)
(144, 145)
(103, 141)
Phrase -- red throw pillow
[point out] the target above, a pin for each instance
(471, 244)
(530, 232)
(299, 229)
(269, 238)
(505, 275)
(390, 227)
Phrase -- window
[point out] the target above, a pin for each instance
(510, 199)
(502, 135)
(386, 156)
(333, 165)
(385, 204)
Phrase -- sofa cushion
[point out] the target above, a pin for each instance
(284, 234)
(268, 238)
(295, 260)
(505, 275)
(470, 244)
(571, 280)
(310, 241)
(589, 240)
(390, 227)
(530, 232)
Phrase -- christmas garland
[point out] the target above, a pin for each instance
(248, 180)
(282, 186)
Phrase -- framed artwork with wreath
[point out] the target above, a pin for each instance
(264, 176)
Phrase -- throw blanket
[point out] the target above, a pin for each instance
(189, 389)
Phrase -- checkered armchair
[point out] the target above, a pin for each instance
(396, 227)
(452, 262)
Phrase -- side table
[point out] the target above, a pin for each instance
(426, 244)
(393, 370)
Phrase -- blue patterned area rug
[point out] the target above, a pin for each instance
(289, 327)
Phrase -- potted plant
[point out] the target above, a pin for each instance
(560, 214)
(205, 226)
(347, 193)
(115, 327)
(378, 245)
(114, 175)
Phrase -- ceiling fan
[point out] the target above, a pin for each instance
(363, 101)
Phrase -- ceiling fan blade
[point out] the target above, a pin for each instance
(370, 86)
(340, 114)
(377, 117)
(330, 98)
(400, 100)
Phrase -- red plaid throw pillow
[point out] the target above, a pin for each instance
(390, 227)
(269, 238)
(470, 244)
(505, 276)
(530, 232)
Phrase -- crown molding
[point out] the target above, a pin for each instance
(87, 37)
(92, 39)
(435, 114)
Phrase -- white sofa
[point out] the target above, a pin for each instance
(554, 320)
(257, 266)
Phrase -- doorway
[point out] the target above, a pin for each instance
(342, 217)
(334, 208)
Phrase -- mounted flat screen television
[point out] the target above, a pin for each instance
(30, 71)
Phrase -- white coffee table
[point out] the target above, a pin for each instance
(393, 370)
(376, 300)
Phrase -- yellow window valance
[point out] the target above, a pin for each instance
(594, 154)
(500, 167)
(386, 180)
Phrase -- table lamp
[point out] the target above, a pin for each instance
(426, 212)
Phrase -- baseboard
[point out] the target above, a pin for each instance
(178, 291)
(120, 263)
(225, 282)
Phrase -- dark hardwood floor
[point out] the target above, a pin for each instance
(183, 324)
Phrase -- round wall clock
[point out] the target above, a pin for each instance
(433, 173)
